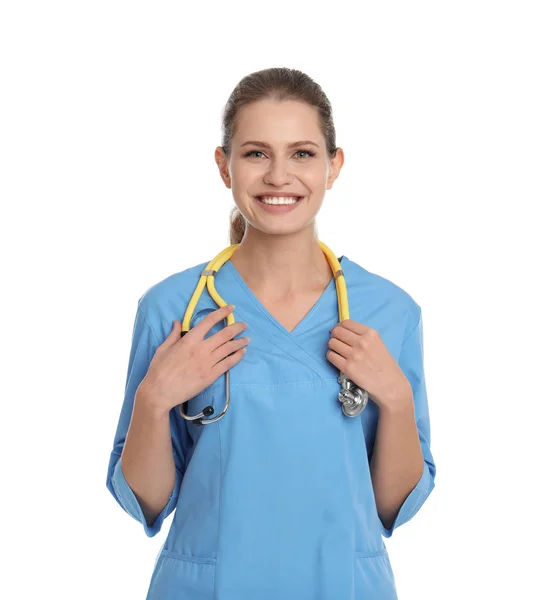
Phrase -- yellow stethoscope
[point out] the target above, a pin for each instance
(353, 398)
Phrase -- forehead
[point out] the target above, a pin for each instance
(274, 121)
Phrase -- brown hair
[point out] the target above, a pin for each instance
(279, 84)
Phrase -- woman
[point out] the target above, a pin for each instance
(285, 496)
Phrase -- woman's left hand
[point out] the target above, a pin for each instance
(360, 353)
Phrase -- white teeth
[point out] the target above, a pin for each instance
(278, 200)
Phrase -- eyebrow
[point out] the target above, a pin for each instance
(293, 145)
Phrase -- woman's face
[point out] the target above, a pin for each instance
(274, 164)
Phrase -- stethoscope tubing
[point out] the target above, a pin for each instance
(353, 398)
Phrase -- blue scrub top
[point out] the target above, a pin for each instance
(275, 500)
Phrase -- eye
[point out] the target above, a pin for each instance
(297, 151)
(306, 152)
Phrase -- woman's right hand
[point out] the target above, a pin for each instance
(182, 367)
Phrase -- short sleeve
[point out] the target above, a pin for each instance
(143, 346)
(411, 361)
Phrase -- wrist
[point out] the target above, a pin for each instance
(398, 403)
(145, 400)
(398, 408)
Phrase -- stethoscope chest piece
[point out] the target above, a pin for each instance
(353, 398)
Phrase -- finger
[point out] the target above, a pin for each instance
(174, 335)
(353, 326)
(345, 335)
(340, 347)
(225, 335)
(336, 359)
(228, 348)
(225, 364)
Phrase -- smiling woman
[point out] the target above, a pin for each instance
(288, 495)
(279, 104)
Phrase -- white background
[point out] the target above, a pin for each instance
(110, 115)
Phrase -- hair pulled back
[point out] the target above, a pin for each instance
(279, 84)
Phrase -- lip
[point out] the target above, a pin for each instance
(280, 195)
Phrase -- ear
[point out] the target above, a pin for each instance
(336, 164)
(221, 161)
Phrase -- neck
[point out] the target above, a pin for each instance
(282, 265)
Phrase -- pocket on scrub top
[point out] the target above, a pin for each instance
(374, 576)
(179, 576)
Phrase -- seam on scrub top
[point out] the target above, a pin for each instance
(187, 558)
(279, 327)
(415, 327)
(413, 330)
(314, 309)
(305, 382)
(255, 302)
(148, 323)
(373, 554)
(307, 319)
(219, 509)
(117, 489)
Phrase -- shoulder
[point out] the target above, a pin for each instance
(366, 286)
(166, 299)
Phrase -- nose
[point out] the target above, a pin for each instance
(278, 173)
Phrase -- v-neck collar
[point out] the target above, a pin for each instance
(330, 289)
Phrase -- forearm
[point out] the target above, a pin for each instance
(147, 457)
(397, 462)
